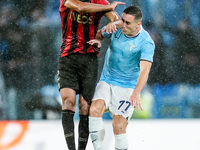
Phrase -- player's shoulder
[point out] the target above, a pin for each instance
(62, 6)
(146, 36)
(118, 33)
(104, 2)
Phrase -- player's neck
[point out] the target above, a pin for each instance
(135, 33)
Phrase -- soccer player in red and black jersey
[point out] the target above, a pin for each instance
(78, 64)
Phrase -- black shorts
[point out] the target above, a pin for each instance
(79, 72)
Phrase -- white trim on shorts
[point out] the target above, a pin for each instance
(117, 99)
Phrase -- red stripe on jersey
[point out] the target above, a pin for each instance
(66, 31)
(92, 34)
(62, 7)
(81, 40)
(78, 29)
(103, 2)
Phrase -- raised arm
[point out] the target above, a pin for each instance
(98, 39)
(145, 67)
(79, 6)
(113, 17)
(115, 22)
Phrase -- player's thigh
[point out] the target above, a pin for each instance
(68, 82)
(102, 92)
(88, 71)
(67, 73)
(120, 104)
(98, 107)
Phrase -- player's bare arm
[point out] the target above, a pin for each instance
(112, 16)
(99, 35)
(113, 26)
(95, 42)
(89, 7)
(145, 67)
(115, 22)
(98, 39)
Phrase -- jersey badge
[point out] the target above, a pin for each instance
(131, 47)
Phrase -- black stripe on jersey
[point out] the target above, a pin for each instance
(96, 22)
(86, 30)
(86, 33)
(74, 31)
(65, 24)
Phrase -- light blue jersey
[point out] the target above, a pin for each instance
(122, 62)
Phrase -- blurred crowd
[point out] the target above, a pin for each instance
(30, 38)
(177, 60)
(29, 55)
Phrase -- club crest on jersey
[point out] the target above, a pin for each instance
(131, 46)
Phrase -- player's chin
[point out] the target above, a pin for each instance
(124, 31)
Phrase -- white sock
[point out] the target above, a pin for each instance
(121, 142)
(97, 132)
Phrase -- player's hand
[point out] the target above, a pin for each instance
(95, 42)
(110, 28)
(136, 101)
(114, 4)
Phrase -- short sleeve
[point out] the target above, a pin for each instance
(62, 6)
(147, 51)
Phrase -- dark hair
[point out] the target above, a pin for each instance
(135, 11)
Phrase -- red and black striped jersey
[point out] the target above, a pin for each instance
(78, 29)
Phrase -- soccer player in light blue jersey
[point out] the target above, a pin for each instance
(125, 73)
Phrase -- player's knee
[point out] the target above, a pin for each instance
(69, 103)
(68, 99)
(84, 108)
(118, 128)
(94, 111)
(97, 109)
(119, 125)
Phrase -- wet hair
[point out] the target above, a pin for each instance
(135, 11)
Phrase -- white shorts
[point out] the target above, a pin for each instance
(117, 99)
